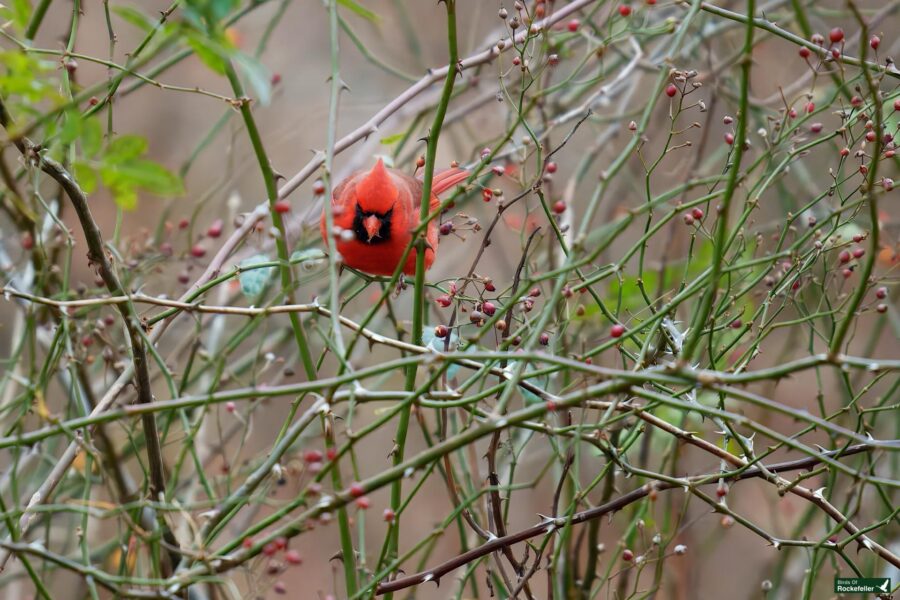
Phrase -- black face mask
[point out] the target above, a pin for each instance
(359, 228)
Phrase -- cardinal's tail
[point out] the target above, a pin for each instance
(446, 179)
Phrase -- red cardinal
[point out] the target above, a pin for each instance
(381, 208)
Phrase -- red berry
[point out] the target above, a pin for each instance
(836, 35)
(697, 213)
(489, 287)
(446, 228)
(722, 491)
(617, 330)
(897, 104)
(551, 167)
(815, 127)
(792, 113)
(270, 549)
(859, 252)
(280, 587)
(624, 10)
(516, 61)
(282, 206)
(87, 341)
(441, 331)
(487, 194)
(363, 503)
(281, 543)
(881, 293)
(729, 139)
(882, 308)
(573, 25)
(331, 453)
(183, 224)
(875, 41)
(835, 53)
(844, 257)
(230, 407)
(27, 240)
(736, 324)
(856, 101)
(292, 557)
(388, 515)
(803, 52)
(845, 151)
(215, 230)
(247, 543)
(651, 2)
(184, 278)
(313, 456)
(357, 490)
(535, 292)
(559, 207)
(810, 107)
(198, 251)
(318, 187)
(688, 220)
(671, 90)
(847, 273)
(443, 300)
(498, 170)
(544, 339)
(870, 136)
(488, 308)
(93, 101)
(627, 555)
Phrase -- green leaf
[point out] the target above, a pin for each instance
(254, 281)
(124, 195)
(142, 173)
(18, 12)
(134, 17)
(360, 10)
(72, 126)
(212, 54)
(258, 77)
(392, 139)
(86, 177)
(125, 147)
(221, 8)
(91, 137)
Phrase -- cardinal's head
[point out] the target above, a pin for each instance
(376, 195)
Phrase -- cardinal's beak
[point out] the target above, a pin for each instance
(373, 226)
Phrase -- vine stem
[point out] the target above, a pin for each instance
(843, 327)
(348, 555)
(419, 286)
(287, 278)
(709, 297)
